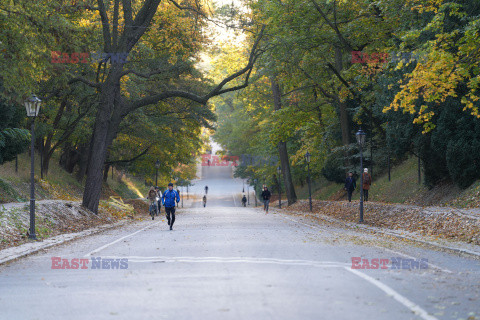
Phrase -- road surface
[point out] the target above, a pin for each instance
(229, 262)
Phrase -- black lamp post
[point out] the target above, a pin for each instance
(279, 171)
(157, 165)
(361, 142)
(32, 105)
(255, 190)
(307, 158)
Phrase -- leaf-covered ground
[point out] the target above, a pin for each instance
(53, 217)
(439, 222)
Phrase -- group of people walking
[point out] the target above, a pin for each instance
(351, 184)
(169, 199)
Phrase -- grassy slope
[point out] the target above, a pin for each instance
(59, 184)
(403, 188)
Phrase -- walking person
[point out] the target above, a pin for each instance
(266, 194)
(159, 199)
(206, 189)
(204, 201)
(244, 201)
(152, 196)
(367, 182)
(168, 201)
(350, 185)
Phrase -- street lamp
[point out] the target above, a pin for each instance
(32, 105)
(255, 190)
(279, 171)
(361, 136)
(157, 165)
(307, 158)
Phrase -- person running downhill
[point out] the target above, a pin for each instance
(168, 201)
(266, 198)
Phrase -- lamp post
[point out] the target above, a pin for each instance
(279, 171)
(255, 190)
(361, 142)
(307, 158)
(248, 192)
(157, 165)
(32, 105)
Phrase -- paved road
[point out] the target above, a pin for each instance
(229, 262)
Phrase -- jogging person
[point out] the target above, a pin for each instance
(266, 198)
(204, 201)
(168, 201)
(206, 189)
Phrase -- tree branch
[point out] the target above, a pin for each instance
(105, 25)
(218, 90)
(128, 160)
(87, 82)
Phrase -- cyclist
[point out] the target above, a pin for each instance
(206, 189)
(244, 201)
(266, 198)
(152, 194)
(204, 201)
(168, 201)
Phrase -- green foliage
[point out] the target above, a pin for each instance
(12, 140)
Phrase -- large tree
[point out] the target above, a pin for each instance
(121, 35)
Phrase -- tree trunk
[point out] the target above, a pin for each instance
(107, 122)
(282, 149)
(83, 150)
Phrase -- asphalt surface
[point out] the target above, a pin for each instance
(229, 262)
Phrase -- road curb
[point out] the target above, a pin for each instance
(389, 232)
(13, 253)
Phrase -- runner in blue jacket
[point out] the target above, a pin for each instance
(168, 201)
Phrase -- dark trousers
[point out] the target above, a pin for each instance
(170, 213)
(349, 193)
(159, 206)
(365, 194)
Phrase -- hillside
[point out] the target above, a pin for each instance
(403, 188)
(59, 184)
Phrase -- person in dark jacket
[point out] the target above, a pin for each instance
(266, 198)
(350, 185)
(168, 201)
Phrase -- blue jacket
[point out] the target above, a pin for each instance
(168, 199)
